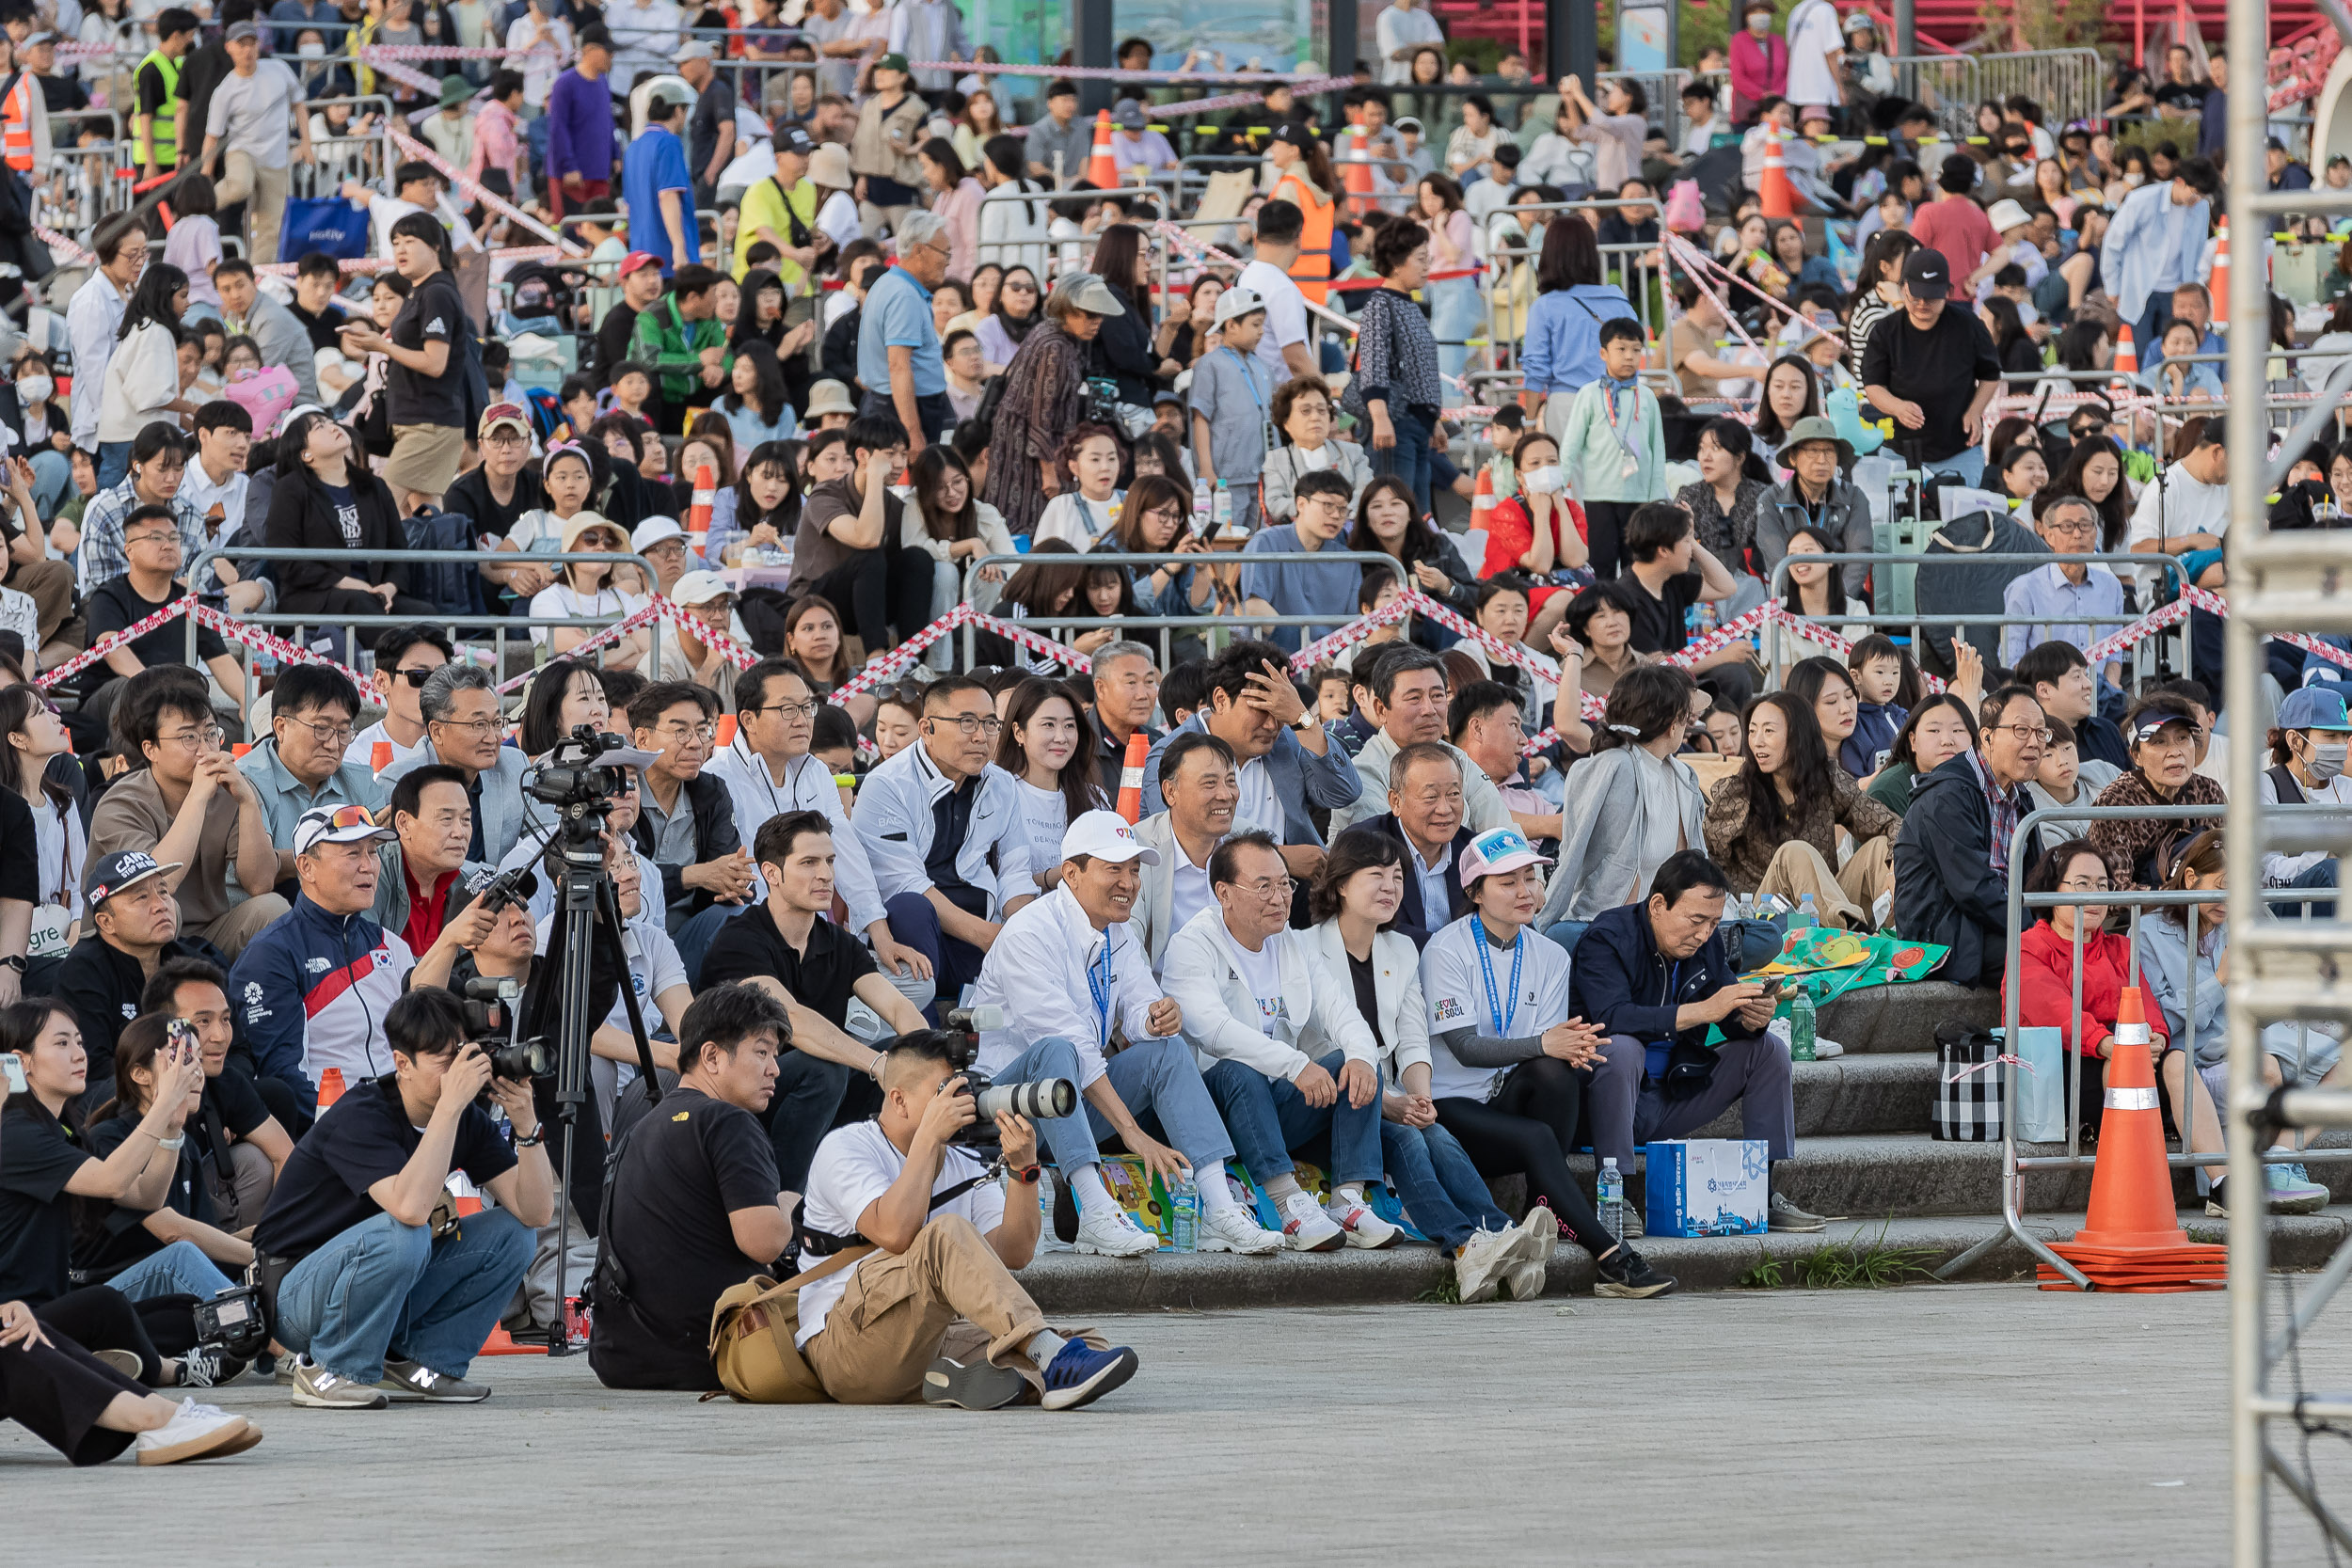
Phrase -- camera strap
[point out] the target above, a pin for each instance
(822, 1243)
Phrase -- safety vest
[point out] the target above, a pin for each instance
(161, 125)
(16, 126)
(1313, 266)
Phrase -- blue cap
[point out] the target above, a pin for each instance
(2314, 707)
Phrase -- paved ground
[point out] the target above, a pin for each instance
(1950, 1424)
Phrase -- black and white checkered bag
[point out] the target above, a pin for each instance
(1968, 1086)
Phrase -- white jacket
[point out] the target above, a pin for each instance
(1221, 1011)
(1402, 1030)
(894, 818)
(1036, 972)
(141, 380)
(808, 786)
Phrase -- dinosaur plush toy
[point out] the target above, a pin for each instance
(1845, 412)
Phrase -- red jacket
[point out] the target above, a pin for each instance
(2045, 967)
(1759, 68)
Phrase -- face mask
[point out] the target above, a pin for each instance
(1545, 481)
(311, 50)
(34, 388)
(2132, 177)
(1759, 25)
(2326, 761)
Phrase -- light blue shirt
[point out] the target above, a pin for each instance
(1563, 348)
(750, 430)
(2077, 612)
(2152, 246)
(284, 798)
(897, 314)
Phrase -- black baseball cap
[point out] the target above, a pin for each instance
(794, 140)
(110, 874)
(1297, 135)
(1926, 275)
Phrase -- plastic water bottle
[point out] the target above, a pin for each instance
(1203, 497)
(1804, 918)
(1611, 1191)
(1801, 1027)
(1221, 510)
(1184, 1213)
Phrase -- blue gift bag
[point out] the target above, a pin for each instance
(329, 224)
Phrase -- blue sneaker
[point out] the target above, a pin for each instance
(1079, 1375)
(2292, 1191)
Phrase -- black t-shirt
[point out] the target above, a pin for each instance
(108, 1237)
(613, 335)
(469, 496)
(690, 1164)
(19, 865)
(822, 981)
(367, 1136)
(2186, 96)
(62, 95)
(1367, 996)
(433, 314)
(322, 326)
(714, 108)
(232, 1108)
(117, 604)
(1662, 623)
(1937, 369)
(38, 1155)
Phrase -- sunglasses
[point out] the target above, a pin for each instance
(415, 677)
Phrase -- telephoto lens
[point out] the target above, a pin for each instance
(1047, 1099)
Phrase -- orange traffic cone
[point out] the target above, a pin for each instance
(1130, 777)
(2220, 287)
(1778, 196)
(1357, 173)
(2126, 356)
(726, 731)
(330, 1086)
(1101, 172)
(240, 749)
(1483, 496)
(500, 1343)
(698, 513)
(2132, 1238)
(380, 757)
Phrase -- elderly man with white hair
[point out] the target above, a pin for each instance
(899, 360)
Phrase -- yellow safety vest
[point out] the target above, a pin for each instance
(161, 127)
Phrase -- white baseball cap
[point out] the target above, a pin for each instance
(335, 824)
(652, 532)
(701, 588)
(1236, 301)
(1106, 835)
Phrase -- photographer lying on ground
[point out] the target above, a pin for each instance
(918, 1312)
(389, 1296)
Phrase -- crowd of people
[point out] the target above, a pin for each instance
(904, 360)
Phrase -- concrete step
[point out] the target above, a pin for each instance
(1891, 1092)
(1066, 1284)
(1878, 1019)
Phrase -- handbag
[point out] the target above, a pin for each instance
(2040, 1107)
(752, 1327)
(1969, 1085)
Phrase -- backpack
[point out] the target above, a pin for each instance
(453, 587)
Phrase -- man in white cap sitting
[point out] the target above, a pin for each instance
(1068, 974)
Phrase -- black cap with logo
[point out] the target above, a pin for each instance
(1926, 275)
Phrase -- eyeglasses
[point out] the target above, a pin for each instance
(327, 735)
(211, 735)
(971, 724)
(2026, 733)
(1271, 887)
(707, 730)
(151, 537)
(791, 710)
(490, 725)
(2096, 885)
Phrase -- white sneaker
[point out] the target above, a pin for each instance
(1533, 1241)
(1306, 1227)
(1479, 1266)
(1364, 1229)
(198, 1431)
(1228, 1227)
(1112, 1234)
(1825, 1049)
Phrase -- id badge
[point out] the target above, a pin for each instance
(1629, 468)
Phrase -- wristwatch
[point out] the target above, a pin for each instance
(1027, 1175)
(534, 1139)
(14, 960)
(1306, 722)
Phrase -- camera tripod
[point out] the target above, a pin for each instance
(584, 892)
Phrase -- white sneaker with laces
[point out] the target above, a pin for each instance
(1112, 1234)
(1308, 1227)
(1229, 1228)
(198, 1431)
(1364, 1229)
(1481, 1264)
(1533, 1241)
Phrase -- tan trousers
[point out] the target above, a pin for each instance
(948, 1295)
(264, 191)
(241, 1193)
(231, 931)
(50, 585)
(1840, 897)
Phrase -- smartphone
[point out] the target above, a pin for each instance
(12, 1069)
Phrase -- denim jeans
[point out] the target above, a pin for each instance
(1157, 1080)
(1966, 467)
(1269, 1118)
(1567, 933)
(693, 937)
(387, 1289)
(955, 963)
(1408, 460)
(179, 1270)
(114, 462)
(1443, 1195)
(1456, 310)
(2322, 875)
(53, 472)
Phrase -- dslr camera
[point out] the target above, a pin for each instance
(489, 1004)
(571, 777)
(1045, 1100)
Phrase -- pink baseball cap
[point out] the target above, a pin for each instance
(1496, 851)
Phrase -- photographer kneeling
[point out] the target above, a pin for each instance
(387, 1297)
(937, 1291)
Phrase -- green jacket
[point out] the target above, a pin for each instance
(671, 346)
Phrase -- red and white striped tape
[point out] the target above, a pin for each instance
(479, 192)
(105, 645)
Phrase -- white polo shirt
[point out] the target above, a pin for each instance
(1455, 984)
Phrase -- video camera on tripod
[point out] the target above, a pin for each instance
(1044, 1100)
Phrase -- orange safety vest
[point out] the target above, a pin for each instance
(1313, 270)
(16, 125)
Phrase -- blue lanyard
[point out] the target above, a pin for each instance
(1248, 378)
(1099, 982)
(1486, 967)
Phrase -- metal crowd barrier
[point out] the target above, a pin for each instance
(2013, 1164)
(1214, 629)
(458, 626)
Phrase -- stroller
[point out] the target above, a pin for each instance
(543, 300)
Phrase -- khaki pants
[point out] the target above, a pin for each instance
(948, 1295)
(263, 191)
(50, 585)
(1841, 898)
(231, 931)
(875, 219)
(242, 1192)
